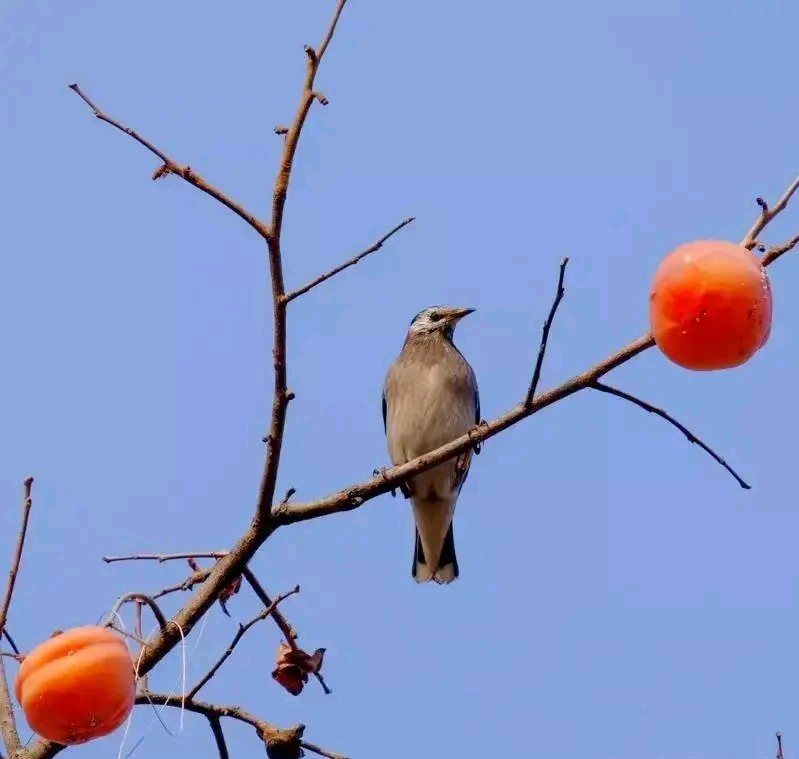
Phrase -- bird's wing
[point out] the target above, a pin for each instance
(385, 426)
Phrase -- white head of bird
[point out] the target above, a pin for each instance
(437, 319)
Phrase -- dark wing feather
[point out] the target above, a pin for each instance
(385, 426)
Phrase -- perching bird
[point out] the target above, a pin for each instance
(429, 399)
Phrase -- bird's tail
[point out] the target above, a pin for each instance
(447, 569)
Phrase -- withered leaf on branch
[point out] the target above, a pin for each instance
(293, 666)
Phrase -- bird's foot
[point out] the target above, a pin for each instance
(381, 472)
(477, 446)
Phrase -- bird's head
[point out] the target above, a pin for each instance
(438, 319)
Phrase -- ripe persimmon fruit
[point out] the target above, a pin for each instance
(78, 685)
(710, 306)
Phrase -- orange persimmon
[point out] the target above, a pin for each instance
(710, 305)
(78, 685)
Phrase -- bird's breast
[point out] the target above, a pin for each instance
(426, 409)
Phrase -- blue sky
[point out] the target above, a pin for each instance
(620, 597)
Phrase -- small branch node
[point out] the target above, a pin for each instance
(281, 130)
(321, 98)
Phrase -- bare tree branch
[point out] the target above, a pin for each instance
(671, 420)
(173, 167)
(8, 725)
(545, 334)
(767, 214)
(27, 503)
(237, 637)
(219, 736)
(162, 557)
(265, 730)
(354, 260)
(773, 253)
(779, 745)
(281, 395)
(289, 633)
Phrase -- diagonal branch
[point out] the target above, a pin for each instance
(767, 214)
(603, 388)
(173, 167)
(27, 504)
(545, 334)
(354, 260)
(773, 253)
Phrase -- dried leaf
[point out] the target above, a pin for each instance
(293, 666)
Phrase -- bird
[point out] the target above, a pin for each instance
(430, 397)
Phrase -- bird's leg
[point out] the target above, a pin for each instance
(477, 445)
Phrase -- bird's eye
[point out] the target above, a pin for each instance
(436, 317)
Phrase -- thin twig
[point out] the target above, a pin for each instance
(779, 746)
(237, 637)
(27, 503)
(354, 260)
(173, 167)
(602, 387)
(281, 394)
(219, 736)
(11, 641)
(194, 579)
(321, 751)
(767, 214)
(773, 253)
(289, 633)
(162, 557)
(8, 726)
(545, 334)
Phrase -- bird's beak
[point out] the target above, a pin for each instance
(456, 314)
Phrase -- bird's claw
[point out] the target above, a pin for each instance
(477, 446)
(382, 473)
